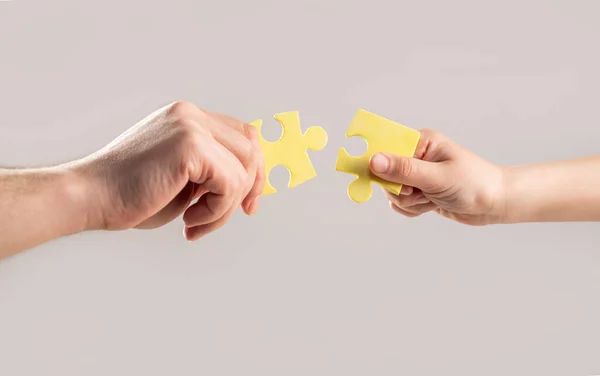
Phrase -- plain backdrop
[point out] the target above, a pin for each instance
(314, 284)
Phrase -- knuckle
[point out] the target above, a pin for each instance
(433, 136)
(257, 156)
(228, 186)
(182, 108)
(405, 167)
(189, 136)
(236, 181)
(247, 154)
(252, 134)
(250, 154)
(250, 131)
(243, 179)
(431, 133)
(186, 125)
(400, 210)
(188, 166)
(395, 200)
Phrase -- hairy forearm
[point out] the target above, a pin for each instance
(38, 205)
(554, 192)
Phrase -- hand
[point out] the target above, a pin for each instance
(445, 178)
(152, 173)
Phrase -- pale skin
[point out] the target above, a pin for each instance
(445, 178)
(145, 178)
(153, 173)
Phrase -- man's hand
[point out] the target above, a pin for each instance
(446, 178)
(145, 178)
(151, 173)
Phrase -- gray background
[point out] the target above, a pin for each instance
(314, 284)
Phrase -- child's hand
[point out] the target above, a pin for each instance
(445, 177)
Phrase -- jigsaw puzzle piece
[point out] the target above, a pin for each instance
(295, 146)
(268, 158)
(381, 135)
(360, 189)
(290, 150)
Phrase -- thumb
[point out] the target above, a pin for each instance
(410, 171)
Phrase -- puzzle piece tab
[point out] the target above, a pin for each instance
(381, 135)
(291, 149)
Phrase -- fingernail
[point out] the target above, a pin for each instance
(406, 190)
(380, 163)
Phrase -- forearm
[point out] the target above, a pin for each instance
(38, 205)
(553, 192)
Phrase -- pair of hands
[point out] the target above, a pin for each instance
(154, 171)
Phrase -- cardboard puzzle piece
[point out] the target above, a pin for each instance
(291, 149)
(381, 135)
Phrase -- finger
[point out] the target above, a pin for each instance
(196, 232)
(420, 208)
(248, 153)
(406, 190)
(250, 202)
(405, 201)
(172, 210)
(237, 143)
(207, 209)
(417, 173)
(229, 132)
(198, 192)
(403, 212)
(428, 140)
(223, 181)
(446, 214)
(243, 141)
(233, 122)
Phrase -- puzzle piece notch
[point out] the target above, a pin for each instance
(290, 150)
(381, 135)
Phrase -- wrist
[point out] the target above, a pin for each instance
(77, 194)
(497, 194)
(505, 212)
(519, 205)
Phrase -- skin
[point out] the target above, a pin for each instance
(152, 173)
(445, 178)
(143, 179)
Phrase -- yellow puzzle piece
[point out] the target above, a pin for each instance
(381, 135)
(291, 149)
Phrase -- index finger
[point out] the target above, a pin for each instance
(253, 157)
(250, 203)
